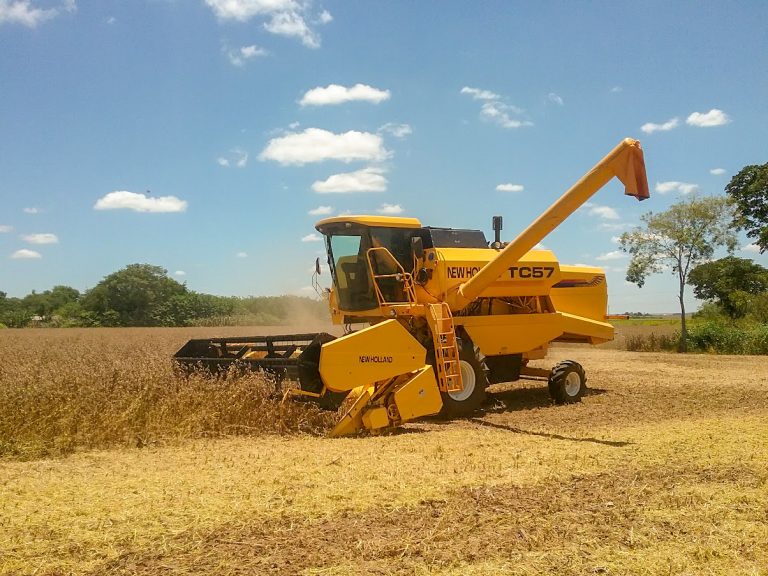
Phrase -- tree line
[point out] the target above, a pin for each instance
(144, 295)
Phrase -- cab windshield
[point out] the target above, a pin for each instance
(349, 268)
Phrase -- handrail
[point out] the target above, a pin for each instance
(625, 162)
(400, 275)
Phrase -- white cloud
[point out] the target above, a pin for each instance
(25, 254)
(284, 17)
(314, 237)
(397, 130)
(325, 17)
(390, 209)
(25, 12)
(498, 113)
(179, 273)
(751, 248)
(714, 117)
(552, 97)
(613, 255)
(46, 238)
(4, 228)
(717, 171)
(111, 20)
(241, 159)
(650, 127)
(615, 239)
(292, 24)
(31, 210)
(241, 255)
(237, 157)
(252, 51)
(317, 145)
(238, 57)
(493, 109)
(478, 94)
(321, 211)
(123, 200)
(604, 212)
(244, 10)
(616, 89)
(334, 94)
(510, 187)
(674, 186)
(365, 180)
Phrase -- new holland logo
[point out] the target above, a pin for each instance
(376, 359)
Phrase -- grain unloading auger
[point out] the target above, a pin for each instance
(449, 314)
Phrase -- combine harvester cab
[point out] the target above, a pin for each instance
(450, 313)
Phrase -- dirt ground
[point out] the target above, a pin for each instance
(661, 469)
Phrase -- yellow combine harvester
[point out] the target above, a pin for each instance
(449, 313)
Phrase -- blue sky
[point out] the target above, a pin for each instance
(207, 136)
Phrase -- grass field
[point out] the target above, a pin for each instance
(662, 469)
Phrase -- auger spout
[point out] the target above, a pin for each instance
(625, 162)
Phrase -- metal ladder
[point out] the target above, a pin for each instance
(440, 322)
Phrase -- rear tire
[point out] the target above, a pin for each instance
(475, 378)
(567, 382)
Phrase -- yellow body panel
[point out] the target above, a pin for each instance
(580, 328)
(352, 421)
(533, 275)
(391, 403)
(511, 333)
(420, 396)
(368, 220)
(582, 291)
(377, 353)
(375, 418)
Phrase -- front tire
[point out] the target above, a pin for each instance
(567, 382)
(475, 379)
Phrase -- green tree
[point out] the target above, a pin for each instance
(729, 282)
(46, 303)
(60, 296)
(137, 295)
(680, 238)
(12, 313)
(749, 190)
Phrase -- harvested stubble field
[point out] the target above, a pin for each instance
(111, 465)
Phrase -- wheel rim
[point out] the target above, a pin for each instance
(572, 384)
(468, 379)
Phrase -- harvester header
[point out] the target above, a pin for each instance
(448, 312)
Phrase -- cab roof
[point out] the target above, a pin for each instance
(368, 220)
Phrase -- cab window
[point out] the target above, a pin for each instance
(350, 271)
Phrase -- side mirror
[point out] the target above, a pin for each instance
(317, 266)
(417, 247)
